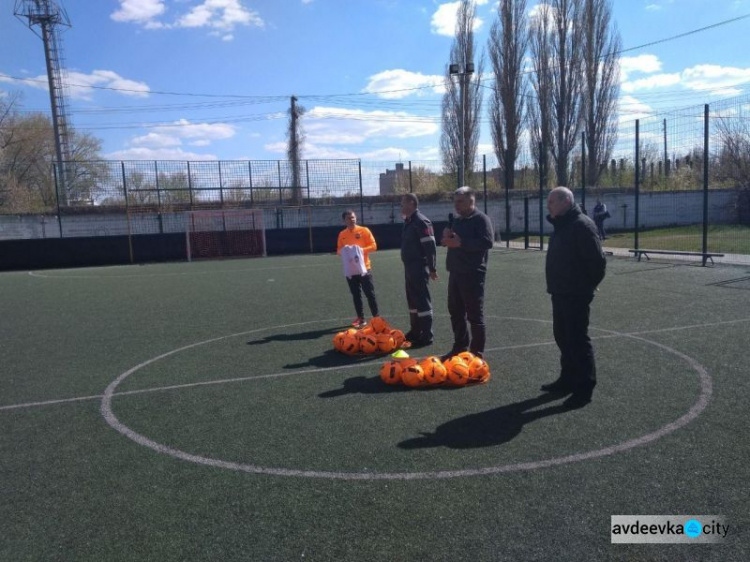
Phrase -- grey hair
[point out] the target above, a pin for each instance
(464, 191)
(560, 193)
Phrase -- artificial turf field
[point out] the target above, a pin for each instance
(196, 411)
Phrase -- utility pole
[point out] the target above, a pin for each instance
(48, 15)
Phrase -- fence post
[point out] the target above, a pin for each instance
(507, 199)
(583, 172)
(637, 181)
(190, 184)
(361, 197)
(307, 173)
(542, 184)
(278, 167)
(484, 180)
(221, 188)
(250, 177)
(705, 183)
(57, 197)
(127, 211)
(526, 222)
(158, 196)
(411, 185)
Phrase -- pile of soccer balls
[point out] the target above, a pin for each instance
(378, 337)
(459, 370)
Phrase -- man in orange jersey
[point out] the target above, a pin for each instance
(360, 236)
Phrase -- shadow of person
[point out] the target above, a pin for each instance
(333, 358)
(485, 429)
(362, 385)
(311, 335)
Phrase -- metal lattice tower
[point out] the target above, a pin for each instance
(49, 16)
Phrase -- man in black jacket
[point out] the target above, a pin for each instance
(418, 255)
(468, 239)
(575, 267)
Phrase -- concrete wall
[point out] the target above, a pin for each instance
(656, 210)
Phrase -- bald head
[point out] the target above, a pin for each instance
(559, 201)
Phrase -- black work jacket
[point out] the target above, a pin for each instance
(575, 260)
(477, 237)
(418, 242)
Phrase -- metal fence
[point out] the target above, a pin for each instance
(676, 181)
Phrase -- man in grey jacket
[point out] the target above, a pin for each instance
(574, 268)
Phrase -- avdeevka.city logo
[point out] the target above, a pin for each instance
(685, 529)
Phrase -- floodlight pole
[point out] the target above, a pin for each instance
(468, 70)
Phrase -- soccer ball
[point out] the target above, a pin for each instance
(390, 372)
(385, 342)
(458, 370)
(368, 344)
(367, 330)
(479, 370)
(350, 345)
(467, 356)
(434, 371)
(412, 375)
(379, 324)
(338, 341)
(398, 338)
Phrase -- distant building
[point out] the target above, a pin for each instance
(394, 178)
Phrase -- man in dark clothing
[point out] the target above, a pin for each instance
(468, 239)
(418, 255)
(575, 266)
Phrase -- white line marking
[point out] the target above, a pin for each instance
(695, 410)
(246, 270)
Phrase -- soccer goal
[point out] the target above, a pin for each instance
(225, 233)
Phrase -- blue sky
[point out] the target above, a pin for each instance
(368, 72)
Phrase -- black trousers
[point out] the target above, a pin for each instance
(466, 307)
(570, 323)
(417, 278)
(359, 283)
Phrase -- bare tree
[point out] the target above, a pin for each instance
(296, 140)
(456, 114)
(601, 85)
(567, 82)
(734, 155)
(507, 47)
(540, 112)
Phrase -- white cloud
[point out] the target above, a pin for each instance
(656, 81)
(444, 19)
(714, 78)
(220, 14)
(631, 108)
(144, 153)
(398, 83)
(645, 64)
(139, 11)
(156, 140)
(79, 85)
(331, 125)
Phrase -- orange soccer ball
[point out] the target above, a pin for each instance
(412, 375)
(434, 371)
(398, 338)
(385, 342)
(458, 371)
(368, 344)
(390, 372)
(350, 346)
(467, 356)
(338, 341)
(379, 324)
(479, 370)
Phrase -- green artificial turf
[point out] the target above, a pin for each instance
(247, 376)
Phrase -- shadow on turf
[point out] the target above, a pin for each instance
(493, 427)
(362, 385)
(332, 358)
(311, 335)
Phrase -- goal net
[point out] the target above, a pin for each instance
(225, 233)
